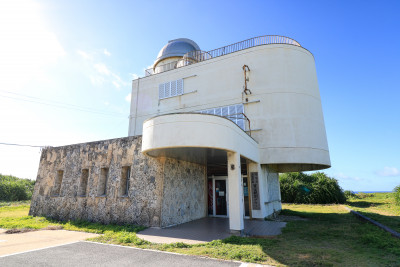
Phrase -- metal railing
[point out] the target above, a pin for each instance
(199, 56)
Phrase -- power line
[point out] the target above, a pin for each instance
(8, 144)
(67, 104)
(63, 105)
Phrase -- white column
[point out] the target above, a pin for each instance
(236, 205)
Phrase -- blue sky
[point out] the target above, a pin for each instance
(85, 54)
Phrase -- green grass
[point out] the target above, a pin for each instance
(14, 203)
(16, 217)
(380, 207)
(330, 237)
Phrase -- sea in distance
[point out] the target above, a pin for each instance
(368, 192)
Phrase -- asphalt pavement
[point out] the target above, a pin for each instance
(96, 254)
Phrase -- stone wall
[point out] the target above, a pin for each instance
(184, 196)
(144, 201)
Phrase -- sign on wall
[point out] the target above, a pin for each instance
(255, 194)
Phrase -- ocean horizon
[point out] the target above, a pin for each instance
(368, 192)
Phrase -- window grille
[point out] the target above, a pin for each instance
(170, 89)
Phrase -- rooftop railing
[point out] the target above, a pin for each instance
(199, 56)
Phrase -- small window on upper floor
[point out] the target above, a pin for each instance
(125, 180)
(170, 89)
(58, 182)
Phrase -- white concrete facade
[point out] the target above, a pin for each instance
(283, 108)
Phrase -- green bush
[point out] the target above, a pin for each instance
(317, 188)
(15, 189)
(397, 195)
(349, 194)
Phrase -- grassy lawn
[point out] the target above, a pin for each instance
(330, 237)
(379, 207)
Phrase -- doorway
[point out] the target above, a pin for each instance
(246, 197)
(218, 196)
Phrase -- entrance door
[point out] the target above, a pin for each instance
(217, 197)
(246, 197)
(220, 197)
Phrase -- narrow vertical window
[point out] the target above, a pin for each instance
(57, 183)
(102, 185)
(83, 183)
(179, 87)
(125, 177)
(161, 92)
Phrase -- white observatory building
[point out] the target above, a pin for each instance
(248, 111)
(209, 131)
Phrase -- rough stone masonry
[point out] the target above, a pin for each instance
(111, 181)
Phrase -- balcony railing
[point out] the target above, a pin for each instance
(199, 56)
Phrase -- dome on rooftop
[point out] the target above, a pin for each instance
(176, 48)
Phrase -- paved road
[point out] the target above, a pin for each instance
(94, 254)
(21, 242)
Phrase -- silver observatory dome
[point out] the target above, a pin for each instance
(176, 48)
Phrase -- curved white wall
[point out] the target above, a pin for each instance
(188, 130)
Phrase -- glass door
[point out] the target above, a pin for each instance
(220, 197)
(246, 197)
(217, 196)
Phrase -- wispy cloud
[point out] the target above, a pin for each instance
(84, 55)
(388, 171)
(106, 52)
(99, 72)
(134, 76)
(102, 69)
(342, 176)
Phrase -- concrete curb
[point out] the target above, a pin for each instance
(384, 227)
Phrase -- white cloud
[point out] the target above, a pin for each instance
(102, 69)
(84, 55)
(342, 176)
(134, 76)
(128, 97)
(388, 171)
(116, 84)
(96, 79)
(99, 72)
(106, 52)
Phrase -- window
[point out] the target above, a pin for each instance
(170, 89)
(233, 112)
(125, 177)
(84, 183)
(102, 185)
(57, 183)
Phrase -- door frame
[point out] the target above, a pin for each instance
(214, 197)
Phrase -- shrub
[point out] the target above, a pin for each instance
(349, 194)
(397, 195)
(15, 189)
(316, 188)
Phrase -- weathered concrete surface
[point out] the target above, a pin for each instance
(144, 201)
